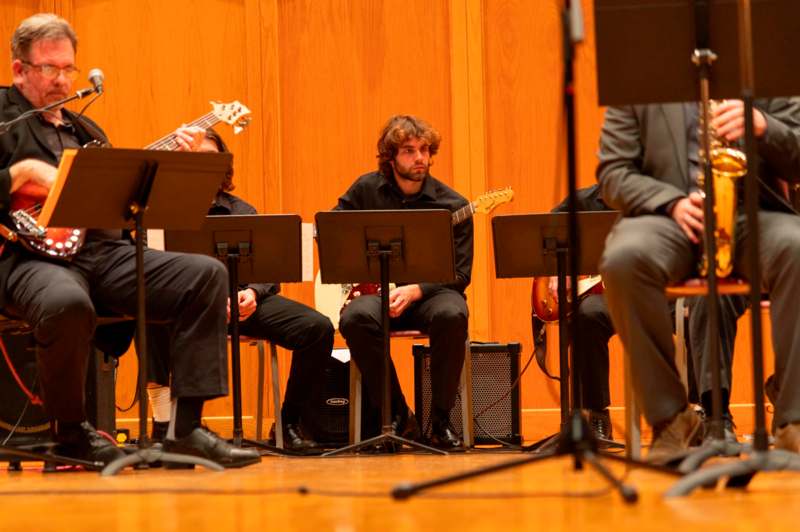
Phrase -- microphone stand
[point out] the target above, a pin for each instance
(5, 127)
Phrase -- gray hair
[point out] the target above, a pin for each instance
(42, 26)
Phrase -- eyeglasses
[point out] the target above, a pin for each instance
(52, 71)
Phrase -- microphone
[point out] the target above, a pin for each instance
(96, 78)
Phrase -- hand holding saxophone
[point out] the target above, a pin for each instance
(688, 214)
(727, 119)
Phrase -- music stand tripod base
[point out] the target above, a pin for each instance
(54, 459)
(150, 455)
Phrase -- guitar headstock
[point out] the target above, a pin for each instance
(234, 114)
(494, 198)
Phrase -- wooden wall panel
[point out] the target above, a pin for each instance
(12, 13)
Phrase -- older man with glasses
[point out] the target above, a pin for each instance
(60, 300)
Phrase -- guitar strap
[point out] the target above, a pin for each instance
(540, 345)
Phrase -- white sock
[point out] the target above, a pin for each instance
(159, 401)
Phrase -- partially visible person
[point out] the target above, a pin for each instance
(648, 167)
(590, 347)
(263, 313)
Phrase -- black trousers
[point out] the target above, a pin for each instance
(442, 315)
(730, 309)
(590, 352)
(60, 303)
(284, 322)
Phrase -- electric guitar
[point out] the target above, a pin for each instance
(63, 243)
(331, 299)
(545, 305)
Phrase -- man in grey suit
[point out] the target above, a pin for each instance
(648, 166)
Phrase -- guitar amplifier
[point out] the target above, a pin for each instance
(25, 423)
(326, 414)
(495, 401)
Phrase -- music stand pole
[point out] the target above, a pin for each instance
(146, 454)
(231, 259)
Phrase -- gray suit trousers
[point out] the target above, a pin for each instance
(643, 254)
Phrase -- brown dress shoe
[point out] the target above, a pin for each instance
(671, 440)
(788, 437)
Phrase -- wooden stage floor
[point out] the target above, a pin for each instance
(348, 494)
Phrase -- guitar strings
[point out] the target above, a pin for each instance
(169, 142)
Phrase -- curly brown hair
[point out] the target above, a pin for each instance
(227, 183)
(399, 129)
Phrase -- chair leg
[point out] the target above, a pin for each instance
(276, 395)
(680, 342)
(355, 403)
(466, 396)
(633, 427)
(260, 392)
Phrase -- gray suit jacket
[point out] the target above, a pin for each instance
(644, 160)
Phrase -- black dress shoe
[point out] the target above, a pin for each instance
(729, 429)
(296, 439)
(600, 423)
(406, 426)
(83, 442)
(206, 444)
(444, 436)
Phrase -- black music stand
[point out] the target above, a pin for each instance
(516, 257)
(401, 246)
(529, 245)
(113, 189)
(255, 248)
(633, 32)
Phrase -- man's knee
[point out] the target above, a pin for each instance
(621, 263)
(209, 273)
(450, 320)
(319, 327)
(354, 321)
(66, 313)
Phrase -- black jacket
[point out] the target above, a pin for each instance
(27, 140)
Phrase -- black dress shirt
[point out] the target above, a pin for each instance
(375, 192)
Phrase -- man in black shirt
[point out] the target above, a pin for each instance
(405, 148)
(263, 313)
(61, 300)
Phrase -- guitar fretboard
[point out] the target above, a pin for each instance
(168, 142)
(463, 213)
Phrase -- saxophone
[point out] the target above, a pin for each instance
(728, 165)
